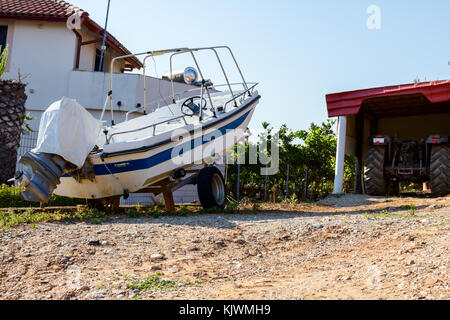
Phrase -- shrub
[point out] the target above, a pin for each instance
(32, 216)
(232, 205)
(312, 150)
(10, 198)
(3, 60)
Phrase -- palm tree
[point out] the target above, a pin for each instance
(12, 115)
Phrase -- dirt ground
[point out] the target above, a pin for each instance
(353, 247)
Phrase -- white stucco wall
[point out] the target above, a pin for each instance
(87, 52)
(44, 54)
(91, 88)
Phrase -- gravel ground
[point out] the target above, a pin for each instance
(340, 248)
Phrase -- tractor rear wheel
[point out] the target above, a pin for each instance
(374, 179)
(440, 171)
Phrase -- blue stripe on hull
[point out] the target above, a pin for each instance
(142, 164)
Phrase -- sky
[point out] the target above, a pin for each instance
(298, 51)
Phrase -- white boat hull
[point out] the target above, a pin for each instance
(126, 170)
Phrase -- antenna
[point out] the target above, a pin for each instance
(104, 39)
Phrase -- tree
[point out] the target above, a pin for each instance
(313, 149)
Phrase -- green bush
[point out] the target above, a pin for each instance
(58, 201)
(10, 218)
(312, 150)
(10, 198)
(349, 174)
(3, 60)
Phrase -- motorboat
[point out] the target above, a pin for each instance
(153, 153)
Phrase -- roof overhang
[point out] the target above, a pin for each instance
(392, 100)
(112, 42)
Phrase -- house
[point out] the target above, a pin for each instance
(55, 48)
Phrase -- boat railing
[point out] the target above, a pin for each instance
(109, 138)
(241, 95)
(173, 53)
(248, 91)
(214, 49)
(163, 101)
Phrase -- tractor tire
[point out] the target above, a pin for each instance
(374, 180)
(211, 188)
(440, 171)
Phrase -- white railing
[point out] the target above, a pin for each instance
(175, 52)
(240, 96)
(91, 88)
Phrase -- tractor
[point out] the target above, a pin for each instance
(388, 162)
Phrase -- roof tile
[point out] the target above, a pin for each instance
(39, 8)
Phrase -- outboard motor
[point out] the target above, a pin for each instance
(41, 175)
(67, 134)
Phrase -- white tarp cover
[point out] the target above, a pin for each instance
(68, 130)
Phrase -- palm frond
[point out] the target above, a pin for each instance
(3, 60)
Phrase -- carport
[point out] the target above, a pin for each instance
(406, 112)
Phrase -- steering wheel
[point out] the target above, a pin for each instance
(190, 108)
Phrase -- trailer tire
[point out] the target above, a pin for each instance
(374, 180)
(211, 188)
(440, 170)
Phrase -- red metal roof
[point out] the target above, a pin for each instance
(58, 11)
(349, 103)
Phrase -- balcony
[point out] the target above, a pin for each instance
(91, 88)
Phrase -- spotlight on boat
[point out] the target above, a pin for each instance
(190, 75)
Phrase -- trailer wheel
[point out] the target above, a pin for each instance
(211, 188)
(374, 180)
(440, 171)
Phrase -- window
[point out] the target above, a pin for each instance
(3, 34)
(98, 54)
(97, 59)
